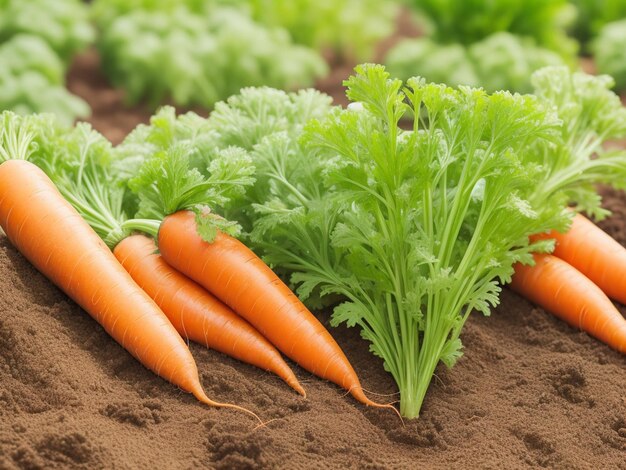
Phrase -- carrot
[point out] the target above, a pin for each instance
(594, 253)
(561, 289)
(231, 271)
(195, 313)
(49, 232)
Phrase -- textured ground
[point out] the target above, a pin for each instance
(529, 391)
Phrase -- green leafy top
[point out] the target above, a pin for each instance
(594, 14)
(592, 114)
(166, 183)
(184, 174)
(244, 119)
(413, 229)
(165, 130)
(609, 51)
(175, 163)
(82, 164)
(351, 28)
(27, 137)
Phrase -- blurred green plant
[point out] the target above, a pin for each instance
(594, 14)
(609, 49)
(198, 59)
(350, 28)
(32, 80)
(63, 24)
(38, 40)
(469, 21)
(501, 61)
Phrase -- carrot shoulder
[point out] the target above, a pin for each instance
(195, 313)
(561, 289)
(231, 271)
(594, 253)
(60, 244)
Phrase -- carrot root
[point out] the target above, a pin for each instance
(238, 277)
(203, 398)
(195, 313)
(561, 289)
(49, 232)
(594, 253)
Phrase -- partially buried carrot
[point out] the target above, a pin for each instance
(49, 232)
(594, 253)
(195, 313)
(231, 271)
(561, 289)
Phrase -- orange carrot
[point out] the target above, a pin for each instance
(594, 253)
(231, 271)
(197, 314)
(561, 289)
(49, 232)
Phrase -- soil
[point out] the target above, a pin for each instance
(529, 392)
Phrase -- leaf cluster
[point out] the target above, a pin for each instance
(408, 231)
(38, 39)
(350, 28)
(592, 114)
(174, 163)
(412, 229)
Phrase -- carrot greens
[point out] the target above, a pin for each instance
(83, 165)
(592, 115)
(412, 229)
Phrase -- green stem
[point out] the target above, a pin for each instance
(149, 226)
(413, 392)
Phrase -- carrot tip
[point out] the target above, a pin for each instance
(298, 388)
(358, 393)
(201, 396)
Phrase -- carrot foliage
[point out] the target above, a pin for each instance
(592, 114)
(609, 51)
(501, 61)
(412, 229)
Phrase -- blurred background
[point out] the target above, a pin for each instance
(114, 62)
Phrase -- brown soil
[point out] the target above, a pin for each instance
(529, 392)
